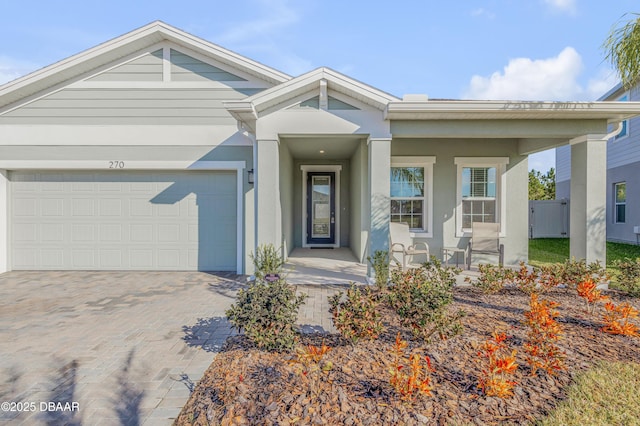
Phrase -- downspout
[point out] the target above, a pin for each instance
(615, 132)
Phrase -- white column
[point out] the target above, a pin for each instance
(588, 224)
(4, 222)
(267, 187)
(380, 188)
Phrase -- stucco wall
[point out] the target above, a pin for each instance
(359, 203)
(445, 195)
(286, 198)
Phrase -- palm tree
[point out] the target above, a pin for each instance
(622, 48)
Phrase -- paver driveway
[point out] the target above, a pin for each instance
(126, 346)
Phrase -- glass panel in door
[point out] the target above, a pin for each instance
(321, 207)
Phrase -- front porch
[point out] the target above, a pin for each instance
(309, 267)
(306, 266)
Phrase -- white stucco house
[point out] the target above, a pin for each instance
(622, 173)
(158, 150)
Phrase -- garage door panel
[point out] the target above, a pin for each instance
(111, 258)
(24, 207)
(52, 258)
(83, 259)
(124, 220)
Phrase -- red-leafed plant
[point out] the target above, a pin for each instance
(616, 319)
(587, 289)
(543, 333)
(409, 375)
(498, 364)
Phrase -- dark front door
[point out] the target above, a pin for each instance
(321, 208)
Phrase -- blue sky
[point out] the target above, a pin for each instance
(473, 49)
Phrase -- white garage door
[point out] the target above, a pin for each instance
(123, 221)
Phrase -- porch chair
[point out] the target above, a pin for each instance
(401, 243)
(485, 238)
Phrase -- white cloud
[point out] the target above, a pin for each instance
(527, 79)
(266, 36)
(481, 12)
(601, 84)
(11, 69)
(564, 6)
(277, 16)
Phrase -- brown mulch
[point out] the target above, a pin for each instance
(244, 385)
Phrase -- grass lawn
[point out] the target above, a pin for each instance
(607, 393)
(544, 251)
(604, 395)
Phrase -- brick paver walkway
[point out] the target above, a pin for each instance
(126, 346)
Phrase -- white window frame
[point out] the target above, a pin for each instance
(426, 162)
(500, 163)
(616, 203)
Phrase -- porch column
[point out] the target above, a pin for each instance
(4, 222)
(379, 190)
(588, 224)
(267, 187)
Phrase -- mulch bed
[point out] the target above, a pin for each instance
(244, 385)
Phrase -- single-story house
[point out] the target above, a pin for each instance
(622, 173)
(158, 150)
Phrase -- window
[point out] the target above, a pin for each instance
(625, 123)
(481, 188)
(620, 202)
(478, 195)
(410, 190)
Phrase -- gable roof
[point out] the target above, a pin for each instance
(250, 108)
(124, 45)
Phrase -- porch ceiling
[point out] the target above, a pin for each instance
(309, 148)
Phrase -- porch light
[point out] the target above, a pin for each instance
(322, 151)
(250, 176)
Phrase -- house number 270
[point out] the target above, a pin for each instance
(116, 164)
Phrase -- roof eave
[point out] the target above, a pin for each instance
(485, 110)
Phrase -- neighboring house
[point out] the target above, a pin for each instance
(623, 173)
(158, 150)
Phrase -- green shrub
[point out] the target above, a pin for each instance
(267, 312)
(573, 272)
(422, 296)
(380, 264)
(267, 260)
(629, 276)
(493, 278)
(356, 317)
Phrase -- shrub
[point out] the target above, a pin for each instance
(497, 364)
(573, 272)
(629, 276)
(267, 312)
(493, 278)
(356, 317)
(267, 260)
(548, 277)
(617, 318)
(542, 335)
(310, 359)
(380, 264)
(409, 374)
(538, 281)
(587, 289)
(421, 298)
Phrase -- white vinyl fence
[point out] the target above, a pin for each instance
(549, 218)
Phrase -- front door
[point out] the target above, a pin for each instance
(321, 208)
